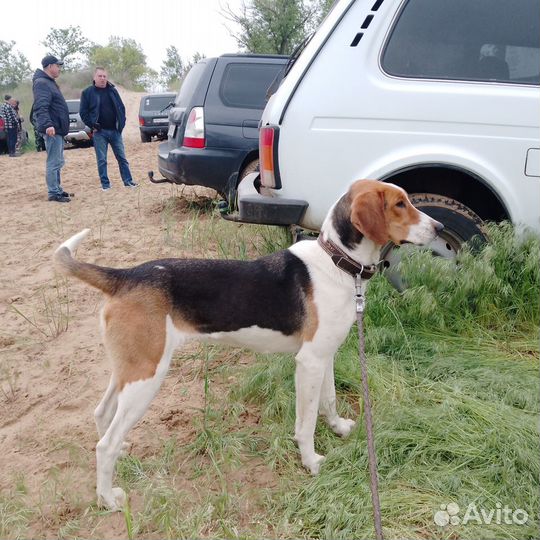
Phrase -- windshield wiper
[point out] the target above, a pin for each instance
(167, 107)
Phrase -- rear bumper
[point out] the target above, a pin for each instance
(210, 167)
(81, 135)
(253, 207)
(155, 130)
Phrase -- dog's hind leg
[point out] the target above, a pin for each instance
(106, 409)
(327, 407)
(133, 400)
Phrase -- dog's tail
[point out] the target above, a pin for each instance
(100, 277)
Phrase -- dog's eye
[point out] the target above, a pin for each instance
(401, 204)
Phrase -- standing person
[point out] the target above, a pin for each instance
(7, 112)
(103, 111)
(18, 146)
(51, 116)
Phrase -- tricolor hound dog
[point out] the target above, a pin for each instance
(296, 300)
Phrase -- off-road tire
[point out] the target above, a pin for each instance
(232, 197)
(249, 168)
(461, 224)
(145, 137)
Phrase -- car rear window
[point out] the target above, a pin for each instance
(245, 85)
(156, 103)
(73, 106)
(189, 84)
(480, 40)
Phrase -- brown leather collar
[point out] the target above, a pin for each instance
(344, 262)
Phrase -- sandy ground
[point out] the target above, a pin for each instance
(51, 379)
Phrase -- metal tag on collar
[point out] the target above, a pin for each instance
(360, 298)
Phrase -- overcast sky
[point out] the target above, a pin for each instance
(191, 25)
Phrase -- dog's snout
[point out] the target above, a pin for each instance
(438, 226)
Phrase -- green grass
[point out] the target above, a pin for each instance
(453, 375)
(453, 369)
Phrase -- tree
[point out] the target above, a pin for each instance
(125, 61)
(172, 69)
(323, 7)
(190, 63)
(69, 45)
(14, 66)
(276, 26)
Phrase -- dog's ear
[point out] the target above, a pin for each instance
(367, 215)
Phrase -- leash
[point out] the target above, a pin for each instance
(374, 482)
(359, 272)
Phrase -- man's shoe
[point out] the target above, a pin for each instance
(131, 185)
(107, 188)
(59, 198)
(66, 194)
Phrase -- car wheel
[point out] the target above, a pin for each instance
(249, 168)
(461, 225)
(232, 191)
(145, 137)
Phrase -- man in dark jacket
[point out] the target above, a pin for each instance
(51, 116)
(103, 111)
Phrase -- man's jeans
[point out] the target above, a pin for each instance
(102, 139)
(55, 162)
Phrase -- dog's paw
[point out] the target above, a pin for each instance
(115, 501)
(343, 426)
(313, 463)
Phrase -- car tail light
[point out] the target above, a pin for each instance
(194, 133)
(268, 140)
(141, 121)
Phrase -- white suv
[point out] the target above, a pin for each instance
(438, 96)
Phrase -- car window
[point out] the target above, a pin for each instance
(73, 106)
(245, 85)
(156, 103)
(189, 84)
(480, 40)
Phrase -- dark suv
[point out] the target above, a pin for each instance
(153, 115)
(214, 123)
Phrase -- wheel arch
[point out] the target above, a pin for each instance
(252, 155)
(451, 181)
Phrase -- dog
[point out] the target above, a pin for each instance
(299, 300)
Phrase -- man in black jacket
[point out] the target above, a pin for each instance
(51, 116)
(103, 111)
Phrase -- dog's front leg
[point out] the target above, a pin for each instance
(310, 369)
(340, 426)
